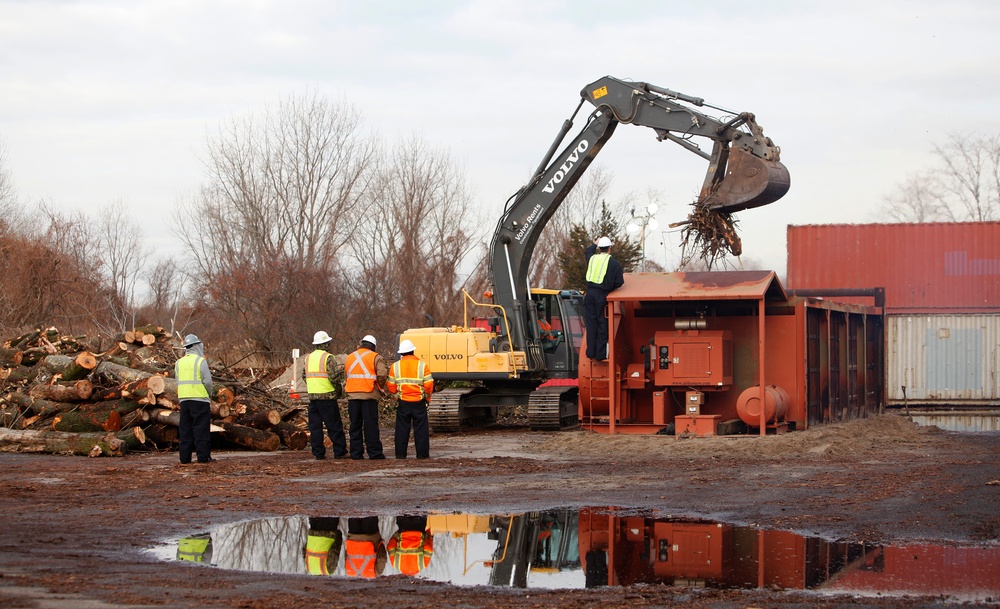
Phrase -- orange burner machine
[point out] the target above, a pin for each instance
(730, 351)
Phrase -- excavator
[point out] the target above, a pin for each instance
(528, 353)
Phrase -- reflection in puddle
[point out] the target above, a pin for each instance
(565, 548)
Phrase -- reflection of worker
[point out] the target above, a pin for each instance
(323, 378)
(411, 547)
(196, 548)
(604, 275)
(411, 380)
(194, 386)
(365, 554)
(323, 544)
(366, 372)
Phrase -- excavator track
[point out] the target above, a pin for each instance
(550, 409)
(444, 410)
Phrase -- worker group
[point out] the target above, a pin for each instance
(363, 379)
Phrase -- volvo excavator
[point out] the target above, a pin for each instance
(528, 353)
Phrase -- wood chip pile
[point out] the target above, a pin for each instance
(63, 394)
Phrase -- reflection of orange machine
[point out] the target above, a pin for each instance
(623, 550)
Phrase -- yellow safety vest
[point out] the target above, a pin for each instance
(317, 376)
(318, 553)
(597, 268)
(193, 548)
(188, 373)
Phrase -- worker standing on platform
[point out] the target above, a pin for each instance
(604, 275)
(323, 378)
(410, 379)
(366, 373)
(194, 386)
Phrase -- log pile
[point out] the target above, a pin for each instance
(64, 394)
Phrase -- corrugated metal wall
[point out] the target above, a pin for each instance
(925, 268)
(943, 359)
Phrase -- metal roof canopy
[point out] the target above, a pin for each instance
(711, 285)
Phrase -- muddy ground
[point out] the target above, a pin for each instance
(75, 530)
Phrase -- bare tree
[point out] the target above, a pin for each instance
(963, 187)
(917, 199)
(417, 232)
(12, 216)
(971, 176)
(122, 257)
(265, 232)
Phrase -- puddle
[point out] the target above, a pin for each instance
(569, 548)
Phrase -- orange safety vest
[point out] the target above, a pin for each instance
(360, 367)
(412, 379)
(359, 558)
(411, 551)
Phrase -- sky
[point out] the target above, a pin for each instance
(115, 100)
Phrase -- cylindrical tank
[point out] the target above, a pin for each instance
(776, 402)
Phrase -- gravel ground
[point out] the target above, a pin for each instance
(77, 531)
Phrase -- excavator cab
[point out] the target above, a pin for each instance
(559, 323)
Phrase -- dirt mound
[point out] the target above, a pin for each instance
(864, 436)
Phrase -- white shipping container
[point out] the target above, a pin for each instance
(943, 359)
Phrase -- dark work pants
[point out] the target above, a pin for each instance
(594, 302)
(364, 429)
(415, 414)
(195, 432)
(326, 412)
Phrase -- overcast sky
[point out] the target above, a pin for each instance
(109, 100)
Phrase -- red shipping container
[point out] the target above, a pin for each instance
(939, 267)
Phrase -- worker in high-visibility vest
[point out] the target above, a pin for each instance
(194, 388)
(411, 547)
(365, 372)
(411, 381)
(323, 543)
(604, 275)
(195, 548)
(364, 552)
(323, 377)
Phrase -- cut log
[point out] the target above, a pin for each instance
(162, 415)
(12, 440)
(23, 374)
(148, 339)
(71, 368)
(76, 421)
(120, 374)
(161, 435)
(261, 419)
(30, 357)
(10, 358)
(291, 436)
(121, 406)
(129, 336)
(78, 391)
(37, 406)
(258, 439)
(134, 438)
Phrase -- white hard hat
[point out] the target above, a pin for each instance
(321, 337)
(406, 347)
(604, 242)
(369, 339)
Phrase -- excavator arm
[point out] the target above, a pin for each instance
(744, 172)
